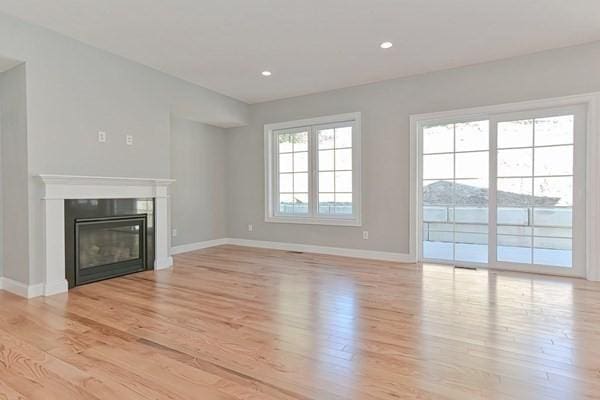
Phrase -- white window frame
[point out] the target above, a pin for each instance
(272, 171)
(591, 242)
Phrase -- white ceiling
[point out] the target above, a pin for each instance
(312, 45)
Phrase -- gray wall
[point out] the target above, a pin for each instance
(385, 108)
(198, 197)
(13, 167)
(74, 90)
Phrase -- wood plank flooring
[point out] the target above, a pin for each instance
(231, 323)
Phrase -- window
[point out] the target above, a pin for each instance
(293, 171)
(506, 189)
(313, 171)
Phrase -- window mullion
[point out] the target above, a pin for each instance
(275, 173)
(313, 171)
(335, 205)
(493, 193)
(532, 201)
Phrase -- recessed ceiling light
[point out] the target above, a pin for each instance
(386, 45)
(266, 73)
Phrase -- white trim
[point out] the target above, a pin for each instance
(57, 188)
(415, 196)
(162, 258)
(314, 221)
(102, 180)
(308, 248)
(593, 189)
(163, 263)
(102, 187)
(326, 119)
(479, 112)
(335, 251)
(311, 124)
(51, 288)
(21, 289)
(184, 248)
(592, 103)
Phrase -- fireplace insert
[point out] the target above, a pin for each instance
(107, 238)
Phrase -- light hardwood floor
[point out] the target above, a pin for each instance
(240, 323)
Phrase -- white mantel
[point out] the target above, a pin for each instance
(57, 188)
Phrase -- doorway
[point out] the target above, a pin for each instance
(504, 189)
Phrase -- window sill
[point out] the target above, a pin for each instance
(315, 221)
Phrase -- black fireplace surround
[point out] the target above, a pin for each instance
(105, 238)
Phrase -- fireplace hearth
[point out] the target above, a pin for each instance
(106, 238)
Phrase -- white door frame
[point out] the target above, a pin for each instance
(591, 102)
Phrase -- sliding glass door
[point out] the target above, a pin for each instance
(506, 190)
(455, 191)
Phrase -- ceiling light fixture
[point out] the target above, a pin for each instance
(386, 45)
(266, 73)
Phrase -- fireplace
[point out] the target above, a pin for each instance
(65, 198)
(106, 238)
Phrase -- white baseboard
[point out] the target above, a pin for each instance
(61, 286)
(184, 248)
(21, 289)
(163, 263)
(335, 251)
(593, 276)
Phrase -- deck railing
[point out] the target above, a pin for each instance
(469, 224)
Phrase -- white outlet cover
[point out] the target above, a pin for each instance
(365, 235)
(101, 136)
(129, 139)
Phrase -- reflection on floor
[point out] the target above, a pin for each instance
(231, 323)
(478, 253)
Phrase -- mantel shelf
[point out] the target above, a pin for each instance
(50, 179)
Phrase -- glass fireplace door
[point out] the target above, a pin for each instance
(108, 247)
